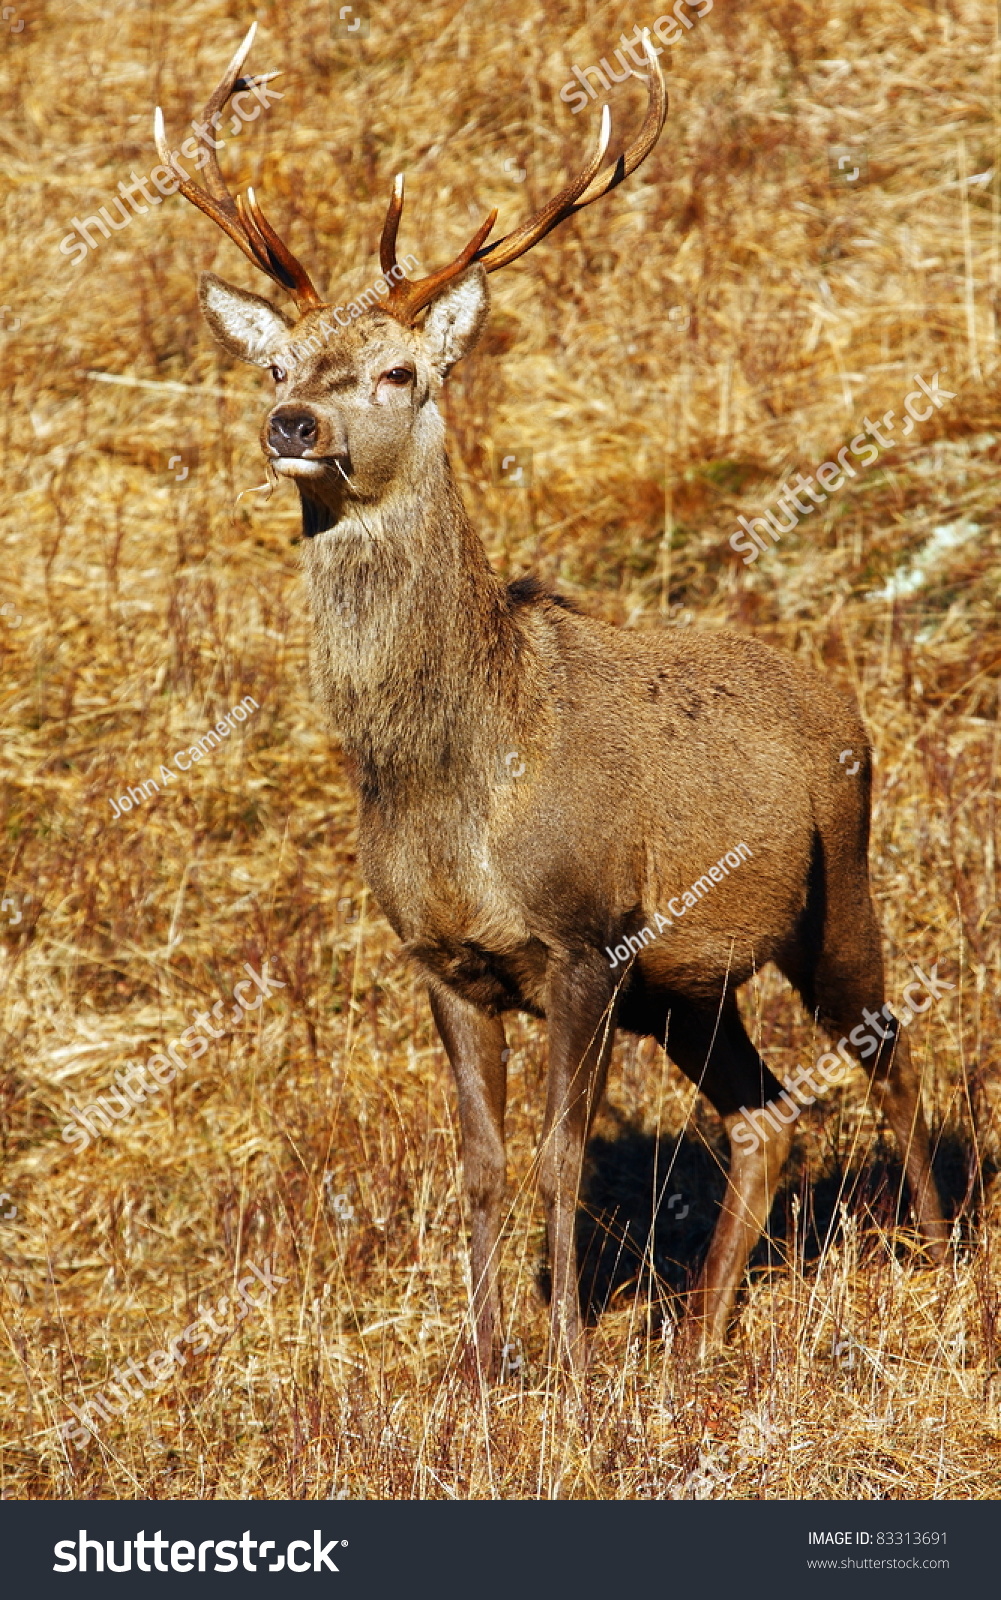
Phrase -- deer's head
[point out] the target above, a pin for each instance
(355, 386)
(351, 400)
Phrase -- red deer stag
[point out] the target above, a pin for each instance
(640, 761)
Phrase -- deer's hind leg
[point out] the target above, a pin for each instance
(713, 1049)
(898, 1092)
(844, 988)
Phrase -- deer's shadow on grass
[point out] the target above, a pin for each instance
(648, 1208)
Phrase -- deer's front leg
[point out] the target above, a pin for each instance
(580, 1010)
(475, 1046)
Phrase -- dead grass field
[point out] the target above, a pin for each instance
(726, 318)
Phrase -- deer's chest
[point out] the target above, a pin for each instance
(447, 898)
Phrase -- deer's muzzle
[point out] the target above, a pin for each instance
(292, 431)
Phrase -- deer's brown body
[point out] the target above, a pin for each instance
(535, 784)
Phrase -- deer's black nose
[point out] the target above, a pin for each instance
(292, 432)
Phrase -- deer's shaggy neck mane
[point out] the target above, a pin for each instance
(420, 657)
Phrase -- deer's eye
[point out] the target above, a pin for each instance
(278, 373)
(398, 375)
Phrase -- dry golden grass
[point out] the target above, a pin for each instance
(149, 606)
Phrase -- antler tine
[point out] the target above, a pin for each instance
(650, 131)
(407, 298)
(587, 186)
(217, 99)
(391, 227)
(244, 223)
(290, 271)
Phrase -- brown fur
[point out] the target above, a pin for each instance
(638, 762)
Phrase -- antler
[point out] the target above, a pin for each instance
(247, 226)
(407, 298)
(243, 220)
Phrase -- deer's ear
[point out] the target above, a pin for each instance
(245, 324)
(456, 319)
